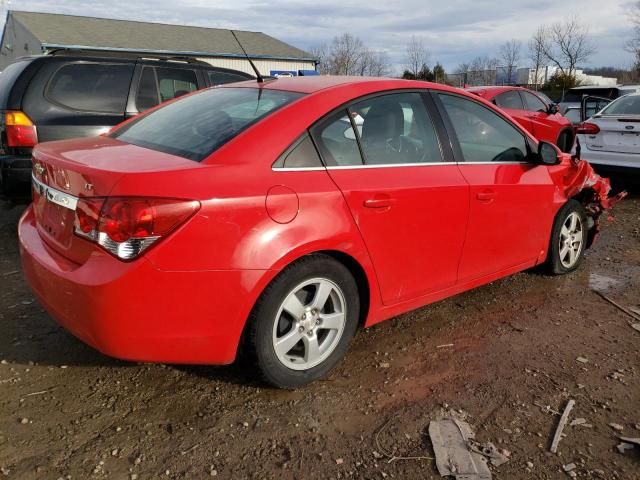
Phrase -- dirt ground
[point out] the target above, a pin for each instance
(504, 357)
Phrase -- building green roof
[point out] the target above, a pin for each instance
(91, 33)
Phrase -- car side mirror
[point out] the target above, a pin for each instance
(548, 154)
(553, 109)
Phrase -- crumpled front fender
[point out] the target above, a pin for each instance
(577, 179)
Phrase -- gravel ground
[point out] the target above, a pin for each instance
(503, 357)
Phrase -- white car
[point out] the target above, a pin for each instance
(610, 139)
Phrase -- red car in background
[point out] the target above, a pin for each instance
(267, 215)
(533, 111)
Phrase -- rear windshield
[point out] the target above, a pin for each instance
(196, 126)
(629, 105)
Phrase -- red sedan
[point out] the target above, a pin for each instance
(533, 111)
(282, 216)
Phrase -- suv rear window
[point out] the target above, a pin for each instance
(94, 87)
(196, 126)
(159, 84)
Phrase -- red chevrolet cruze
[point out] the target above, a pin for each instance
(533, 111)
(283, 215)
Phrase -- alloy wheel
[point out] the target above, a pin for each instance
(309, 324)
(571, 240)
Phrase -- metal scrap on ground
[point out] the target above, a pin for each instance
(451, 440)
(561, 425)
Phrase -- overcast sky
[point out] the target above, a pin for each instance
(454, 30)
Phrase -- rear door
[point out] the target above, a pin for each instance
(406, 194)
(510, 199)
(70, 99)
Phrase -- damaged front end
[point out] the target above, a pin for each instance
(578, 180)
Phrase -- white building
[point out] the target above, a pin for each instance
(527, 76)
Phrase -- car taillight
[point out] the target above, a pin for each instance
(20, 130)
(587, 128)
(127, 226)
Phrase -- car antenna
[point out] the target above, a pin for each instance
(258, 76)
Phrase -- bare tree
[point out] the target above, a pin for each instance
(345, 55)
(633, 44)
(510, 56)
(320, 53)
(567, 45)
(377, 64)
(418, 55)
(536, 54)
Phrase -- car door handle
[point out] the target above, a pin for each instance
(486, 196)
(380, 202)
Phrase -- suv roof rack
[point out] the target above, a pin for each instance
(128, 55)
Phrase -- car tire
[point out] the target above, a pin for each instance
(565, 141)
(568, 238)
(304, 321)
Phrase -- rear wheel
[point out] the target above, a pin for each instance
(568, 238)
(304, 322)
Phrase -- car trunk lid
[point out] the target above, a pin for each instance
(66, 172)
(619, 134)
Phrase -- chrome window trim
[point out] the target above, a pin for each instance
(54, 195)
(394, 165)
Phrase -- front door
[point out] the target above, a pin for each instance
(510, 198)
(409, 200)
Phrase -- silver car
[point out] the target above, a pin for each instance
(611, 137)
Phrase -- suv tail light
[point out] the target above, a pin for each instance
(20, 130)
(587, 128)
(127, 226)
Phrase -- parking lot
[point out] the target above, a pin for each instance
(503, 357)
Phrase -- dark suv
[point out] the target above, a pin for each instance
(75, 94)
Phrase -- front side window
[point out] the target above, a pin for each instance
(396, 129)
(510, 100)
(196, 126)
(93, 87)
(483, 135)
(337, 141)
(533, 103)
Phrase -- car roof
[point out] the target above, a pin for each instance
(317, 83)
(493, 90)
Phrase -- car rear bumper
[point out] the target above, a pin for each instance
(15, 176)
(610, 159)
(135, 311)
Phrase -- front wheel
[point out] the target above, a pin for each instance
(568, 238)
(304, 322)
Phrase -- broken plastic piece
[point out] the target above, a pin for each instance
(450, 439)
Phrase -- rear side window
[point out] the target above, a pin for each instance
(533, 103)
(396, 129)
(510, 100)
(196, 126)
(220, 78)
(337, 141)
(94, 87)
(302, 154)
(159, 84)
